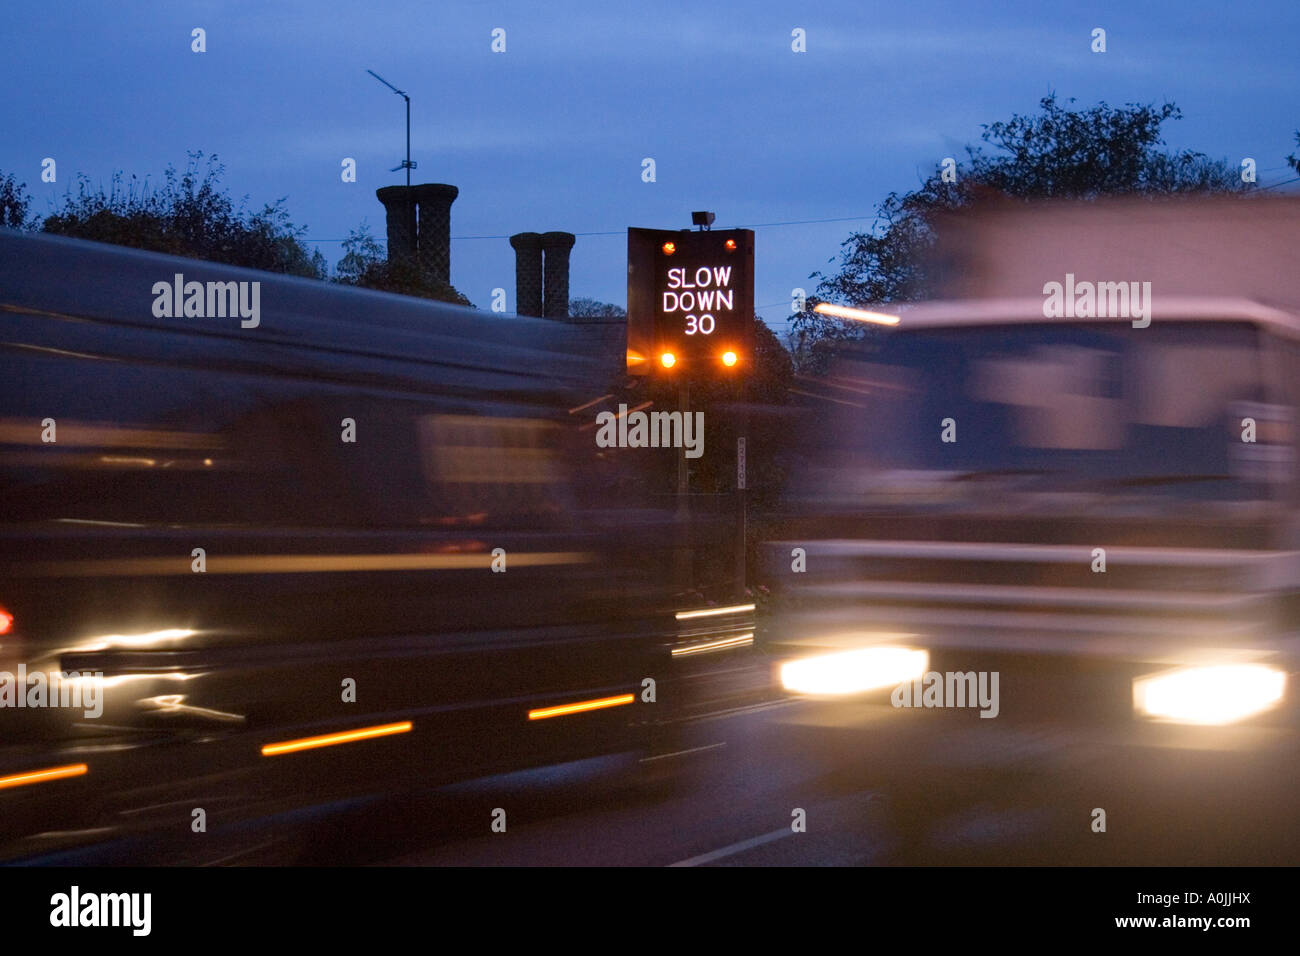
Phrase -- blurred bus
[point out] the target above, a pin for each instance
(355, 544)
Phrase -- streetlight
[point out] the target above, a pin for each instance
(406, 163)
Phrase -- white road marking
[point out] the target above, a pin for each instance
(735, 848)
(679, 753)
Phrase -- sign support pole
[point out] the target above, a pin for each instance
(684, 570)
(742, 482)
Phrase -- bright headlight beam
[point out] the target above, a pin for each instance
(857, 315)
(1219, 694)
(105, 642)
(740, 640)
(713, 611)
(853, 672)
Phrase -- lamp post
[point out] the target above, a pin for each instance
(406, 163)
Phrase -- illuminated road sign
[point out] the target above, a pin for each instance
(690, 302)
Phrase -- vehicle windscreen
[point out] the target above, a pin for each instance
(1087, 407)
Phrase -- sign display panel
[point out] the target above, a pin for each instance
(690, 301)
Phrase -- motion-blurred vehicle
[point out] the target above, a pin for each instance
(1106, 517)
(354, 544)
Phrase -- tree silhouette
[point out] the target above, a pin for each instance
(189, 215)
(1057, 153)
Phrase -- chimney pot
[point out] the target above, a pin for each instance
(399, 210)
(528, 273)
(433, 245)
(556, 247)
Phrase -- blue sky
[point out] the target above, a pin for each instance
(551, 133)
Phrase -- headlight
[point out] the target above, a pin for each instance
(1209, 695)
(852, 672)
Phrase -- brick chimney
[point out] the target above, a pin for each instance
(555, 248)
(419, 226)
(528, 273)
(399, 210)
(434, 243)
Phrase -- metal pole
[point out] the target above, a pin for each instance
(684, 569)
(742, 486)
(406, 163)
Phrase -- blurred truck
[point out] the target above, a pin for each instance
(1024, 505)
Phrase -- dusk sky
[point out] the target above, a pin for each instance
(551, 134)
